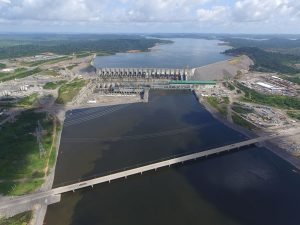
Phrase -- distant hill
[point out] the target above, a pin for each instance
(265, 61)
(275, 44)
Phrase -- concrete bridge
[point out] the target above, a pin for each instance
(171, 87)
(52, 196)
(144, 73)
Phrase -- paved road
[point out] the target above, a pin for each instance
(41, 196)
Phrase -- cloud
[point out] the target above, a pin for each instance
(101, 10)
(5, 1)
(155, 13)
(265, 10)
(216, 14)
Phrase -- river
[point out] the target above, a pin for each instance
(247, 187)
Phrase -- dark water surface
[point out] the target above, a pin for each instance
(184, 52)
(251, 186)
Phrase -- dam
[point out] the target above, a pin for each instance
(144, 73)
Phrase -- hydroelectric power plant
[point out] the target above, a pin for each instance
(144, 73)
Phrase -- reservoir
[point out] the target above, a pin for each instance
(247, 187)
(182, 53)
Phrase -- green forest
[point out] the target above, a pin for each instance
(65, 46)
(280, 101)
(268, 61)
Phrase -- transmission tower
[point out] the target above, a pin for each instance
(39, 130)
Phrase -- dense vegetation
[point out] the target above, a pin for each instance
(268, 61)
(68, 91)
(21, 167)
(271, 100)
(264, 42)
(20, 219)
(66, 45)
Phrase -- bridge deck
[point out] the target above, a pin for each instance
(124, 174)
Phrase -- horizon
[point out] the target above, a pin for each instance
(145, 33)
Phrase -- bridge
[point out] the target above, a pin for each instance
(144, 73)
(52, 196)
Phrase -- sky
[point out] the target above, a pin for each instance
(150, 16)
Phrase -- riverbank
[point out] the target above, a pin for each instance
(39, 211)
(271, 145)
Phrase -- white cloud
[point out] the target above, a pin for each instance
(5, 1)
(158, 13)
(265, 10)
(104, 10)
(216, 14)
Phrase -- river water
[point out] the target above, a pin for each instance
(250, 187)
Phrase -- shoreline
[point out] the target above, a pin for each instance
(280, 152)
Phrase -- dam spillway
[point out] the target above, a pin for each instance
(145, 73)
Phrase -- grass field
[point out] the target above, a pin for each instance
(48, 61)
(18, 74)
(30, 100)
(219, 104)
(54, 85)
(20, 219)
(22, 168)
(69, 90)
(53, 73)
(241, 109)
(242, 122)
(2, 66)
